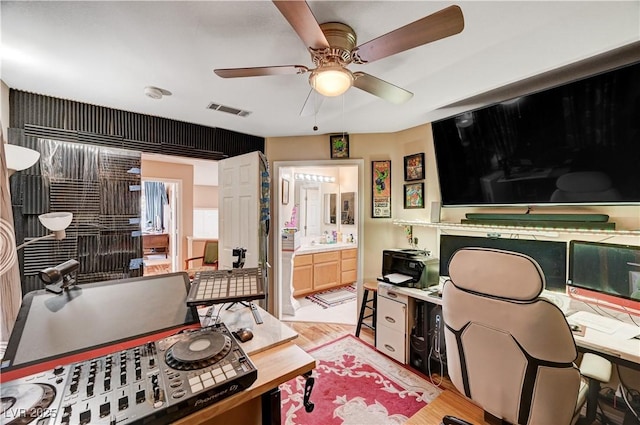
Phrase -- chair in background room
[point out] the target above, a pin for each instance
(511, 351)
(209, 258)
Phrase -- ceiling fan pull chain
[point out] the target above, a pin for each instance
(343, 123)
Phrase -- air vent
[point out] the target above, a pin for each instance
(228, 109)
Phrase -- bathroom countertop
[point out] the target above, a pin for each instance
(322, 247)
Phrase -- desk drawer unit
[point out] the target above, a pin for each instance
(392, 314)
(388, 291)
(392, 343)
(393, 319)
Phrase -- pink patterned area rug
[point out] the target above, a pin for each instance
(355, 384)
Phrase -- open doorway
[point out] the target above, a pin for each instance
(318, 208)
(159, 218)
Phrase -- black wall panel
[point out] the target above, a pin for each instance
(90, 166)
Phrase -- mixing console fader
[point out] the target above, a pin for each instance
(154, 383)
(120, 386)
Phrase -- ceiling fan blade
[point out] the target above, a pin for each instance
(381, 88)
(300, 17)
(447, 22)
(261, 71)
(312, 104)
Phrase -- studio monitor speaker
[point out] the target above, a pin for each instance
(435, 212)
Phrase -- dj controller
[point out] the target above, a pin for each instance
(156, 381)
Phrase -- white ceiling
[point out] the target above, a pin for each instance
(105, 53)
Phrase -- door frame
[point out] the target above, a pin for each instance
(276, 179)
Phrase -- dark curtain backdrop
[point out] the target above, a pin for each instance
(101, 186)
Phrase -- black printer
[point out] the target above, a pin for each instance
(412, 268)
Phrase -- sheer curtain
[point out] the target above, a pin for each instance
(155, 196)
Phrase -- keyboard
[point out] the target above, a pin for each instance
(594, 321)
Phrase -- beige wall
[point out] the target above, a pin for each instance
(182, 173)
(381, 233)
(205, 196)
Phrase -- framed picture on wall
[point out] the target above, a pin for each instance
(339, 144)
(414, 195)
(381, 189)
(414, 167)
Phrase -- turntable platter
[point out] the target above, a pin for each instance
(25, 402)
(198, 350)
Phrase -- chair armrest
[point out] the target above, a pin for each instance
(186, 262)
(595, 367)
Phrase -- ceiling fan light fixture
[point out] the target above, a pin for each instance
(331, 80)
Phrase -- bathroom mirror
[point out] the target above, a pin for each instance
(348, 206)
(330, 208)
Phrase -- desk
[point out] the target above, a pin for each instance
(623, 352)
(275, 356)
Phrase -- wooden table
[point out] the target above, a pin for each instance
(152, 242)
(448, 403)
(276, 358)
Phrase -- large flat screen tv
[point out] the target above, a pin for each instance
(577, 143)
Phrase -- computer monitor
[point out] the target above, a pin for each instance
(550, 255)
(605, 273)
(97, 314)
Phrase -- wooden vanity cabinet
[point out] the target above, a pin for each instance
(349, 266)
(302, 274)
(324, 270)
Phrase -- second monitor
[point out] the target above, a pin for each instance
(550, 255)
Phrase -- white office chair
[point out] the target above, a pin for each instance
(509, 350)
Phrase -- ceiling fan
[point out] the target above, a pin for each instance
(333, 47)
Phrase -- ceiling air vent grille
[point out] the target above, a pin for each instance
(228, 109)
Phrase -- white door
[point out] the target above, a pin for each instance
(239, 208)
(313, 211)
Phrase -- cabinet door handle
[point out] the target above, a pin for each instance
(390, 348)
(390, 319)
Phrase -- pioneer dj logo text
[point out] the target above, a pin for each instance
(228, 391)
(12, 413)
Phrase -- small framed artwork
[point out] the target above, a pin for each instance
(414, 167)
(285, 191)
(414, 195)
(339, 144)
(381, 189)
